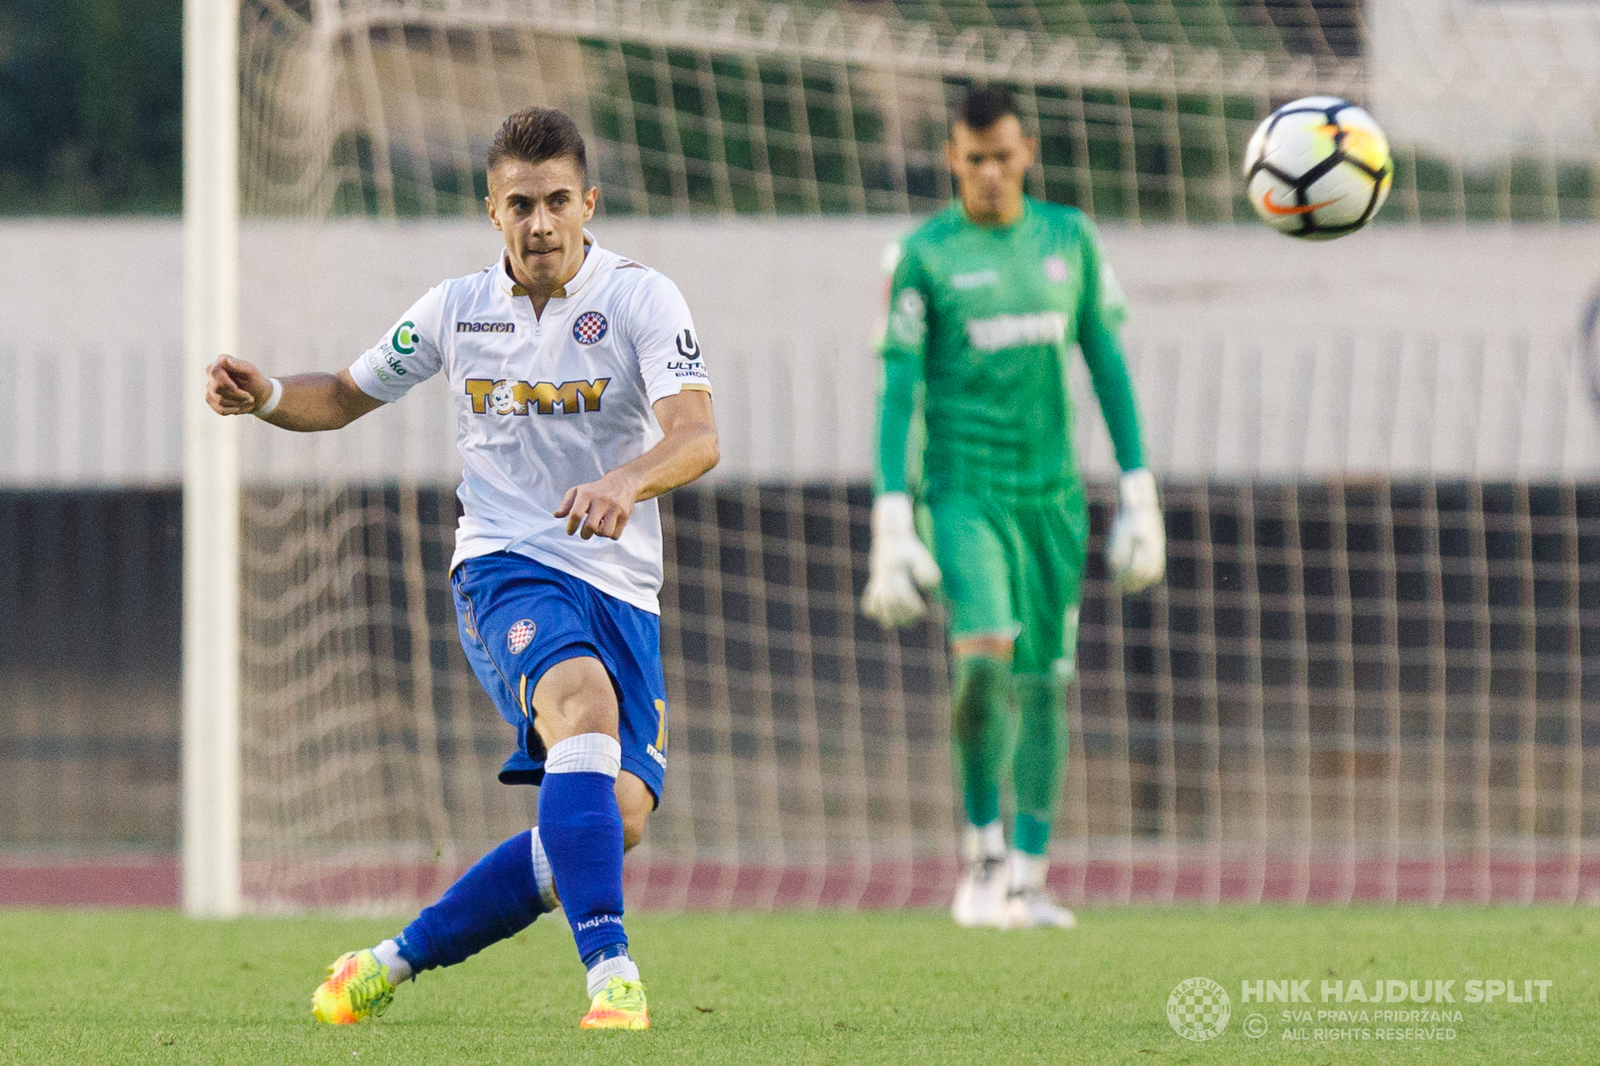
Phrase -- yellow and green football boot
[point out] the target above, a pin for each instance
(357, 985)
(619, 1005)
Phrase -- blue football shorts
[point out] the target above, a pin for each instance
(519, 617)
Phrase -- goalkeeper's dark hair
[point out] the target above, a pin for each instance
(985, 105)
(536, 134)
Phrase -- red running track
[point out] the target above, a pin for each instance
(656, 884)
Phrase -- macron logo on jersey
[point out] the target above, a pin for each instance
(1014, 331)
(486, 327)
(519, 397)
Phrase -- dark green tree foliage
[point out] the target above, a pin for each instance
(91, 106)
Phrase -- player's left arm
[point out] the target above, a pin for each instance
(658, 326)
(687, 449)
(1137, 551)
(1101, 312)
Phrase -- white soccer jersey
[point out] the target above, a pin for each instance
(546, 403)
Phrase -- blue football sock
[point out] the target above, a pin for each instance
(581, 826)
(499, 896)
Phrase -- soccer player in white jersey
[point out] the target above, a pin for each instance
(563, 359)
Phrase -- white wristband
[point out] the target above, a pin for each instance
(272, 401)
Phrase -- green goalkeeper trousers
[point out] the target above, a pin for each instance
(1014, 568)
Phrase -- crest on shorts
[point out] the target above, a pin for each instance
(590, 328)
(521, 635)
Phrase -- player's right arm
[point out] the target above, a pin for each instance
(903, 348)
(409, 353)
(307, 402)
(898, 562)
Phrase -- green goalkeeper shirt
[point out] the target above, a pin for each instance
(983, 319)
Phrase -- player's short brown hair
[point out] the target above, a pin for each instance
(985, 105)
(536, 134)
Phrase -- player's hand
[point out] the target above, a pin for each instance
(235, 387)
(600, 507)
(1137, 551)
(897, 564)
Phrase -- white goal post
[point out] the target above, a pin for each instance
(210, 769)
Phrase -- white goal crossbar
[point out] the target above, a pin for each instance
(783, 31)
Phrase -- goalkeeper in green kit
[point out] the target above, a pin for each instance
(986, 301)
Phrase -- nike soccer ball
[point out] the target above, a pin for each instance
(1318, 168)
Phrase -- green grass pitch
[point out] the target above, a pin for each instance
(151, 987)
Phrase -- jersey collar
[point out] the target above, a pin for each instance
(591, 263)
(1001, 231)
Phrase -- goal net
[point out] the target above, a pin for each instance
(384, 107)
(1370, 671)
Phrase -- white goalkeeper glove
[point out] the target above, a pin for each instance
(1137, 551)
(896, 565)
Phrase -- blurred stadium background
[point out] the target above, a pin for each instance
(1373, 671)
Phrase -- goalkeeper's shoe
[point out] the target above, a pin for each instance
(981, 896)
(1032, 908)
(619, 1005)
(357, 985)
